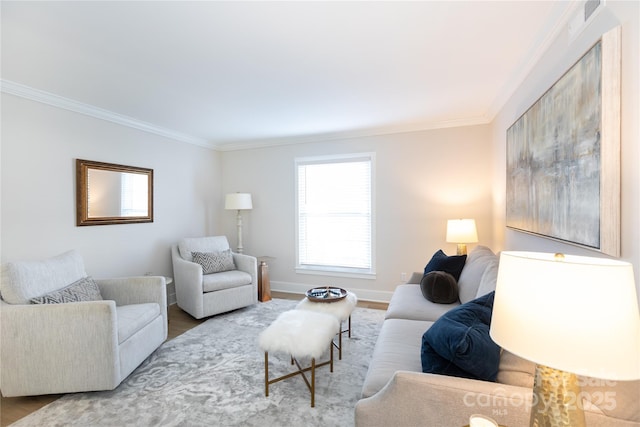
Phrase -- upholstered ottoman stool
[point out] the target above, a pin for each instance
(341, 309)
(300, 334)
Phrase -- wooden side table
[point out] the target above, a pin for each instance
(264, 286)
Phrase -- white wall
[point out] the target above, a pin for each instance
(39, 146)
(422, 179)
(559, 58)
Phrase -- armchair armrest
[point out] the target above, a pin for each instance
(414, 398)
(187, 273)
(248, 264)
(136, 290)
(53, 347)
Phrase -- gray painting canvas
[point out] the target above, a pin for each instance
(553, 159)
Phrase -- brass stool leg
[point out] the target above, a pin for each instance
(349, 326)
(266, 374)
(331, 359)
(340, 343)
(313, 382)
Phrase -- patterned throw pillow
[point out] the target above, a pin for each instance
(214, 262)
(85, 289)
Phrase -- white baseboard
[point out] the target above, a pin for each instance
(301, 288)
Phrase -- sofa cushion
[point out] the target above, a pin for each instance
(133, 317)
(201, 244)
(23, 280)
(489, 279)
(407, 302)
(225, 280)
(85, 289)
(397, 349)
(439, 287)
(477, 262)
(442, 262)
(214, 262)
(459, 344)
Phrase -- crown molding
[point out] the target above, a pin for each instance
(27, 92)
(537, 53)
(362, 133)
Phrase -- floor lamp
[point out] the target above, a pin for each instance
(571, 315)
(238, 202)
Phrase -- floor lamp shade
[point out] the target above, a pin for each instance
(238, 201)
(571, 313)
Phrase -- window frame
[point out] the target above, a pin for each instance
(337, 271)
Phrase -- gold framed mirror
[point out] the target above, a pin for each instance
(108, 193)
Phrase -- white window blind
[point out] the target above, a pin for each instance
(334, 213)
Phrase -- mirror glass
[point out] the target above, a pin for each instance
(113, 194)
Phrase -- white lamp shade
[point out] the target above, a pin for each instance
(238, 201)
(462, 231)
(576, 314)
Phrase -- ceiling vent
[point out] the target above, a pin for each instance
(585, 13)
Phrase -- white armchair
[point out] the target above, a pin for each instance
(203, 295)
(75, 346)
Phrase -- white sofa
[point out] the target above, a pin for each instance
(75, 346)
(396, 391)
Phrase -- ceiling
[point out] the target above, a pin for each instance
(230, 75)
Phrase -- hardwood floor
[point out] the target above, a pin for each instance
(14, 408)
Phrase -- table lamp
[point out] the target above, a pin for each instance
(239, 202)
(461, 231)
(572, 316)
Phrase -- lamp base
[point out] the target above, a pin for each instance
(239, 224)
(556, 399)
(462, 249)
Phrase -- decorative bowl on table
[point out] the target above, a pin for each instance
(326, 294)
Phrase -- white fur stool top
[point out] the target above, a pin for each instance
(300, 333)
(341, 309)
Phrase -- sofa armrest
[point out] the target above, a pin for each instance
(49, 347)
(414, 398)
(248, 264)
(415, 279)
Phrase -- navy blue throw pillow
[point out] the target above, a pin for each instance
(458, 343)
(442, 262)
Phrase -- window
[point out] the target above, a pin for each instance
(335, 215)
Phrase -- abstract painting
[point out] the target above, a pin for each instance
(563, 172)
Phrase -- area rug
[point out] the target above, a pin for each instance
(213, 375)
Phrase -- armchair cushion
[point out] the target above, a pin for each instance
(133, 317)
(24, 280)
(84, 289)
(214, 262)
(225, 280)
